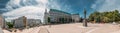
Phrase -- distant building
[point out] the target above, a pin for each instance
(20, 22)
(2, 22)
(23, 22)
(76, 17)
(33, 22)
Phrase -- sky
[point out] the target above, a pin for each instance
(12, 9)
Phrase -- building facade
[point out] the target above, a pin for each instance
(2, 22)
(23, 22)
(53, 16)
(57, 16)
(20, 22)
(76, 17)
(33, 22)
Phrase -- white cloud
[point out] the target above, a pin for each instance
(43, 1)
(106, 5)
(93, 6)
(31, 8)
(34, 9)
(54, 4)
(28, 11)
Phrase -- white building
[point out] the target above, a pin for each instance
(23, 22)
(76, 17)
(2, 22)
(57, 16)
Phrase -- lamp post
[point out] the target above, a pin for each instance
(84, 21)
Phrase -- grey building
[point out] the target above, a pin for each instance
(20, 22)
(1, 31)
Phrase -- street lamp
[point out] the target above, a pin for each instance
(84, 21)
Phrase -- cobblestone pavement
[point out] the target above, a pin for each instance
(78, 28)
(72, 28)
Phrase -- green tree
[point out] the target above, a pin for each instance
(48, 19)
(10, 24)
(95, 16)
(105, 16)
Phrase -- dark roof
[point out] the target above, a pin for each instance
(55, 10)
(76, 14)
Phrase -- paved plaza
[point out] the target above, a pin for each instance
(72, 28)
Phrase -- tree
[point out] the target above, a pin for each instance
(49, 20)
(10, 24)
(95, 16)
(112, 16)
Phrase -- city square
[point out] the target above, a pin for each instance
(72, 28)
(59, 16)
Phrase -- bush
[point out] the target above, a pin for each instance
(119, 22)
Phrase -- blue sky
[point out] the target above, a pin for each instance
(9, 8)
(76, 6)
(2, 6)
